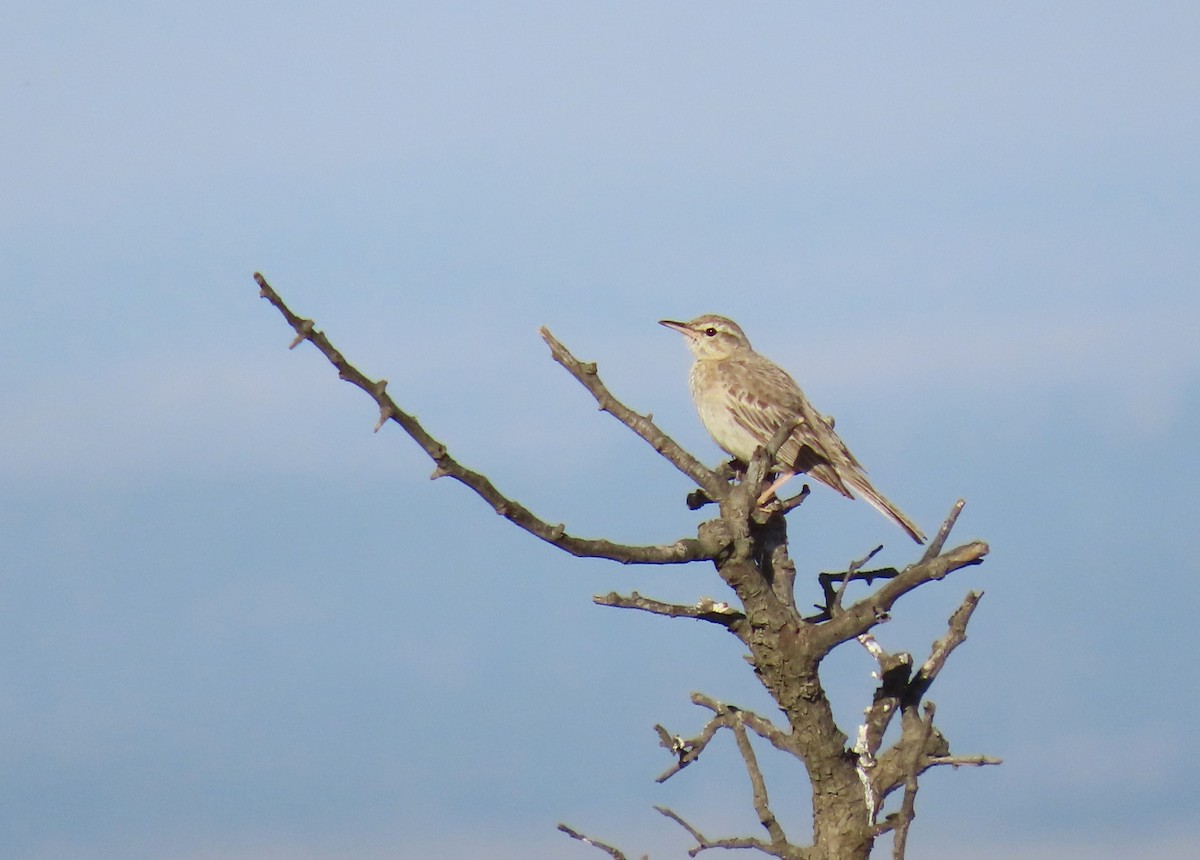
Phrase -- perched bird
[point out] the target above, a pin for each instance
(743, 399)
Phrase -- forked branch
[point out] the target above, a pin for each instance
(920, 746)
(866, 613)
(687, 750)
(784, 851)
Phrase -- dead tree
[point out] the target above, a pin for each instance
(851, 781)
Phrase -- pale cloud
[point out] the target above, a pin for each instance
(492, 398)
(1180, 845)
(1013, 352)
(1090, 761)
(663, 840)
(442, 179)
(470, 839)
(208, 413)
(217, 412)
(1135, 368)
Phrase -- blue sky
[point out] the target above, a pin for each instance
(237, 624)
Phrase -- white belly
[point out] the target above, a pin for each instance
(712, 404)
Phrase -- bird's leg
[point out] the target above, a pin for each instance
(780, 480)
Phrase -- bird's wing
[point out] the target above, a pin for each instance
(763, 397)
(826, 440)
(816, 449)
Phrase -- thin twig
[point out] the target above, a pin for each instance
(682, 551)
(908, 809)
(758, 786)
(639, 424)
(898, 693)
(793, 502)
(942, 648)
(957, 761)
(869, 611)
(786, 852)
(894, 671)
(829, 582)
(939, 540)
(854, 567)
(685, 750)
(761, 726)
(705, 609)
(595, 843)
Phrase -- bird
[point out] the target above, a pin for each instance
(744, 398)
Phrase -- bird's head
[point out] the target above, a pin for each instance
(711, 336)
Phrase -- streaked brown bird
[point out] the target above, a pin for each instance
(744, 398)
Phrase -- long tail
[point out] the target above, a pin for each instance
(859, 482)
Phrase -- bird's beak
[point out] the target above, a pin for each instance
(682, 328)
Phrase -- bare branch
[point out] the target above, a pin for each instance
(854, 567)
(894, 671)
(683, 550)
(942, 648)
(939, 540)
(758, 786)
(830, 582)
(703, 843)
(908, 810)
(920, 746)
(685, 750)
(761, 726)
(934, 564)
(705, 609)
(868, 612)
(595, 843)
(957, 761)
(890, 775)
(708, 481)
(899, 692)
(793, 502)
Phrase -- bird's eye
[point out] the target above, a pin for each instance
(710, 332)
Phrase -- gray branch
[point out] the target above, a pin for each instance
(642, 425)
(679, 552)
(869, 611)
(595, 843)
(705, 609)
(703, 843)
(920, 746)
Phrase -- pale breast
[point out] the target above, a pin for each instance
(716, 395)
